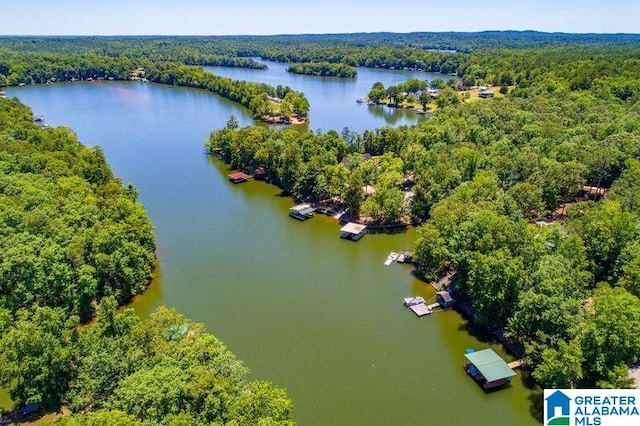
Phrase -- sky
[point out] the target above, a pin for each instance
(233, 17)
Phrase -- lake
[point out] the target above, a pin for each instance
(315, 314)
(333, 100)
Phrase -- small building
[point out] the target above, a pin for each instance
(302, 211)
(486, 94)
(238, 177)
(488, 368)
(353, 231)
(445, 299)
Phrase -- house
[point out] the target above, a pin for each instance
(353, 231)
(445, 299)
(238, 177)
(486, 94)
(555, 401)
(488, 368)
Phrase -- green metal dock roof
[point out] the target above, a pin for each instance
(490, 365)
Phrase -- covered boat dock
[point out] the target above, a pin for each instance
(238, 177)
(353, 231)
(302, 211)
(488, 368)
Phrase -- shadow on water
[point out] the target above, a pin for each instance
(537, 403)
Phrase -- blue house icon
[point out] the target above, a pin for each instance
(557, 399)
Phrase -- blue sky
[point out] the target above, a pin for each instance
(215, 17)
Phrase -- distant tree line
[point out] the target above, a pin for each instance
(16, 68)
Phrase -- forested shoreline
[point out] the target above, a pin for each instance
(75, 243)
(27, 68)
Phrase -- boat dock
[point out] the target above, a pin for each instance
(238, 177)
(302, 211)
(402, 257)
(393, 256)
(353, 231)
(419, 306)
(420, 309)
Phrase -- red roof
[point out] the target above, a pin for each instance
(238, 176)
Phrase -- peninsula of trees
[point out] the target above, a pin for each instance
(323, 69)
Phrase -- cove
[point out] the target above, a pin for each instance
(318, 315)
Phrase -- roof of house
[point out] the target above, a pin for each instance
(353, 228)
(490, 364)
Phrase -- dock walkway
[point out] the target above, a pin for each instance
(516, 364)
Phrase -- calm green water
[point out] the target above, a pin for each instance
(311, 312)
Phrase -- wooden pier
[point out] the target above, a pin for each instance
(516, 364)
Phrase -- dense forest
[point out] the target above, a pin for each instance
(71, 233)
(531, 200)
(75, 240)
(323, 69)
(161, 370)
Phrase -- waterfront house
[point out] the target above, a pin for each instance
(488, 368)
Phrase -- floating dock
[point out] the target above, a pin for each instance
(410, 301)
(393, 256)
(420, 309)
(402, 257)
